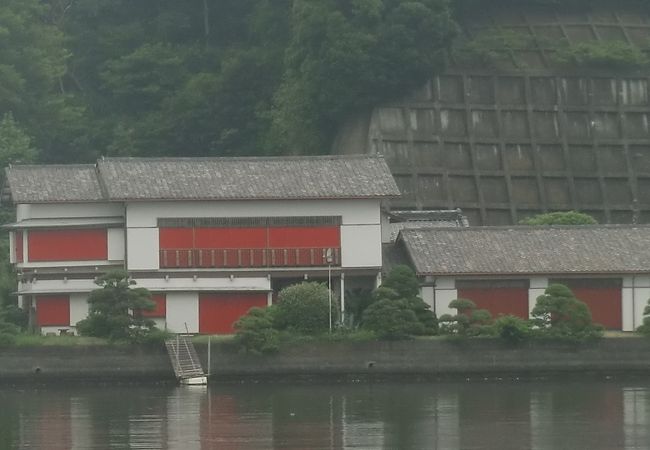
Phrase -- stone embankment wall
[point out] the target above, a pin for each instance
(422, 358)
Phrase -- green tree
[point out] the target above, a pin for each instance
(645, 327)
(345, 57)
(15, 144)
(255, 333)
(391, 319)
(115, 307)
(304, 308)
(558, 313)
(560, 218)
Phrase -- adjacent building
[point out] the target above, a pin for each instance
(505, 269)
(209, 237)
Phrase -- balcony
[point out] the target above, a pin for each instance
(231, 258)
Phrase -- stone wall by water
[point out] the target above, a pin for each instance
(426, 358)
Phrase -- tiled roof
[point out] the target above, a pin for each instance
(246, 178)
(529, 250)
(316, 177)
(400, 220)
(53, 183)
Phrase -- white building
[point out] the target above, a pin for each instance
(505, 269)
(209, 237)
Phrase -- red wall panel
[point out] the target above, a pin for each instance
(230, 237)
(161, 306)
(18, 242)
(289, 237)
(604, 304)
(68, 245)
(219, 312)
(52, 310)
(176, 238)
(499, 301)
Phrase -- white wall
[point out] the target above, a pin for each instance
(56, 286)
(142, 247)
(445, 292)
(183, 308)
(12, 247)
(68, 210)
(638, 295)
(116, 244)
(536, 288)
(353, 212)
(360, 229)
(205, 284)
(360, 246)
(78, 307)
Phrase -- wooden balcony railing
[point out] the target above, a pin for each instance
(225, 258)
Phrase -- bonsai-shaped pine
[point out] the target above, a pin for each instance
(645, 328)
(405, 283)
(397, 311)
(115, 309)
(468, 321)
(558, 313)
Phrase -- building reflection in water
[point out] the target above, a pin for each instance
(535, 416)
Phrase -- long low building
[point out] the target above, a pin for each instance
(505, 269)
(209, 237)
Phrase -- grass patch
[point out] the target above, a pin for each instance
(215, 338)
(37, 340)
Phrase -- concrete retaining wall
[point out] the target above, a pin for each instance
(439, 358)
(421, 358)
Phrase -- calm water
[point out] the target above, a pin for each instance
(590, 415)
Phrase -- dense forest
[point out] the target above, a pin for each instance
(82, 78)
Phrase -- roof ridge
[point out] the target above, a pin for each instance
(49, 166)
(537, 227)
(240, 158)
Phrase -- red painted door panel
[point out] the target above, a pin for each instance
(68, 245)
(230, 237)
(291, 237)
(499, 301)
(219, 312)
(176, 238)
(604, 304)
(52, 310)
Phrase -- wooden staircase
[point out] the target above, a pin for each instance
(185, 360)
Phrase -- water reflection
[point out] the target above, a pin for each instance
(535, 416)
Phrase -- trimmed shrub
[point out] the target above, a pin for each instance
(558, 313)
(402, 285)
(8, 332)
(468, 321)
(304, 308)
(391, 319)
(403, 281)
(512, 329)
(255, 333)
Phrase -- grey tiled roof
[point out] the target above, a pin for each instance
(529, 250)
(53, 183)
(400, 220)
(247, 178)
(115, 179)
